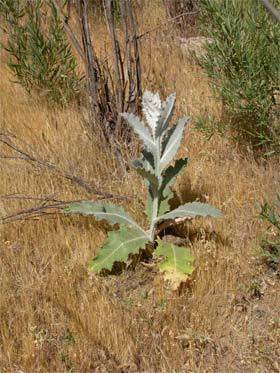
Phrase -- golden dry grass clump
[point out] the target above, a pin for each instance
(56, 317)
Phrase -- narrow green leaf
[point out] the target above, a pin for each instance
(119, 245)
(192, 210)
(177, 264)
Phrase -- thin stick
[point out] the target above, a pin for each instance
(36, 211)
(271, 10)
(69, 32)
(163, 23)
(37, 160)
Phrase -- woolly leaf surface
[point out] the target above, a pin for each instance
(146, 172)
(102, 211)
(192, 209)
(173, 142)
(141, 131)
(169, 175)
(164, 201)
(152, 109)
(166, 114)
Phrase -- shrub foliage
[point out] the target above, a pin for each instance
(270, 244)
(40, 56)
(243, 64)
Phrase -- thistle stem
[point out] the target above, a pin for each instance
(154, 216)
(156, 197)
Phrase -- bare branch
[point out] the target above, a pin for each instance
(69, 32)
(164, 23)
(35, 159)
(13, 158)
(271, 9)
(48, 206)
(116, 55)
(18, 196)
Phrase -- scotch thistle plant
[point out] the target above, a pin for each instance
(160, 145)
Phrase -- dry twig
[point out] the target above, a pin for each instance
(48, 206)
(29, 155)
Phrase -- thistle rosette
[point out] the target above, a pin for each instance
(160, 145)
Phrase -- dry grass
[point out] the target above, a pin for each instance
(56, 317)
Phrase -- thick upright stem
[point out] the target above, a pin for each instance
(156, 197)
(154, 215)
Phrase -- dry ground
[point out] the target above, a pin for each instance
(57, 317)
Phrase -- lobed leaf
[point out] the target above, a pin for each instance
(168, 179)
(141, 131)
(177, 264)
(146, 172)
(165, 138)
(148, 157)
(166, 114)
(192, 209)
(101, 211)
(169, 175)
(152, 109)
(163, 203)
(164, 199)
(173, 142)
(119, 245)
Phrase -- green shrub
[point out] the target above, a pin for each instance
(40, 56)
(243, 62)
(11, 9)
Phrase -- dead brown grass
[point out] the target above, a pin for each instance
(56, 317)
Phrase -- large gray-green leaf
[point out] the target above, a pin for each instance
(102, 211)
(152, 108)
(166, 114)
(191, 210)
(173, 142)
(177, 264)
(119, 244)
(141, 131)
